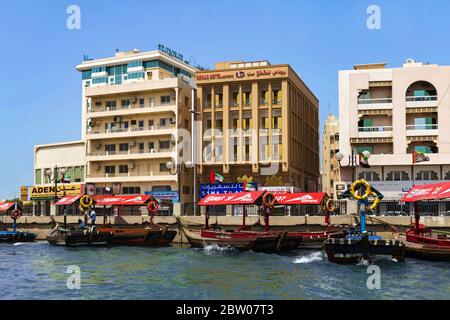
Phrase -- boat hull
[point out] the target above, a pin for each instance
(243, 240)
(154, 236)
(74, 238)
(422, 245)
(15, 237)
(349, 251)
(315, 240)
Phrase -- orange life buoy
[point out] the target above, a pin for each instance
(15, 214)
(153, 207)
(269, 200)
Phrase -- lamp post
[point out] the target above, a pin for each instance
(352, 161)
(53, 176)
(175, 169)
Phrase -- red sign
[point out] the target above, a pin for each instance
(241, 198)
(428, 192)
(121, 200)
(5, 206)
(300, 198)
(68, 200)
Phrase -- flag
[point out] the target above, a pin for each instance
(215, 177)
(250, 186)
(419, 157)
(364, 161)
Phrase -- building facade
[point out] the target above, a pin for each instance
(330, 146)
(259, 122)
(134, 107)
(393, 112)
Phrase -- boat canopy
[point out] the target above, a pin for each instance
(68, 200)
(5, 206)
(300, 198)
(122, 200)
(428, 192)
(240, 198)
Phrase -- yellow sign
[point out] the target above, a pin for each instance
(239, 75)
(48, 192)
(23, 194)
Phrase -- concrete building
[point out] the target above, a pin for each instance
(133, 106)
(68, 155)
(260, 121)
(330, 146)
(393, 112)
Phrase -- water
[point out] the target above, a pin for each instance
(38, 271)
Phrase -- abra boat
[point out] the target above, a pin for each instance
(15, 236)
(71, 237)
(359, 244)
(243, 239)
(155, 235)
(422, 242)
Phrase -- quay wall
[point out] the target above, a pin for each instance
(42, 225)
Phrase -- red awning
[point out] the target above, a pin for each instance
(5, 206)
(240, 198)
(300, 198)
(428, 192)
(68, 200)
(121, 200)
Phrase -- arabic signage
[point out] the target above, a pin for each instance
(222, 188)
(428, 192)
(216, 76)
(165, 195)
(241, 198)
(48, 192)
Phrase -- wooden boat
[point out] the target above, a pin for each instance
(14, 237)
(266, 242)
(155, 235)
(356, 247)
(315, 240)
(89, 236)
(422, 242)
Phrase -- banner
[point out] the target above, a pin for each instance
(428, 192)
(165, 195)
(206, 189)
(241, 198)
(48, 192)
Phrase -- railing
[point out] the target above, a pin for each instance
(421, 98)
(375, 129)
(131, 106)
(129, 152)
(131, 174)
(374, 101)
(422, 127)
(132, 129)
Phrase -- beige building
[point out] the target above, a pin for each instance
(330, 146)
(133, 108)
(393, 112)
(260, 121)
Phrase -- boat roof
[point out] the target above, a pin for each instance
(240, 198)
(300, 198)
(436, 191)
(134, 200)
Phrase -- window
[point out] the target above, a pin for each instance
(447, 176)
(163, 167)
(425, 123)
(165, 99)
(219, 100)
(276, 97)
(38, 175)
(264, 97)
(123, 168)
(98, 69)
(110, 148)
(365, 124)
(186, 190)
(125, 103)
(100, 80)
(276, 123)
(361, 149)
(219, 124)
(110, 169)
(135, 64)
(151, 146)
(164, 122)
(247, 98)
(265, 123)
(141, 103)
(141, 147)
(131, 190)
(397, 176)
(247, 123)
(235, 99)
(277, 151)
(164, 144)
(123, 147)
(427, 176)
(136, 75)
(370, 176)
(111, 105)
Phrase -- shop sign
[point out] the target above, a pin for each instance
(165, 195)
(241, 75)
(48, 192)
(24, 196)
(222, 188)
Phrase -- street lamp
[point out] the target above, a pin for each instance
(53, 176)
(352, 160)
(174, 169)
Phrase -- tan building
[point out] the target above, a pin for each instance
(330, 146)
(133, 108)
(393, 112)
(260, 121)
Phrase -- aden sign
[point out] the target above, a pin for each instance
(48, 192)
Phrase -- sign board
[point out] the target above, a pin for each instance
(165, 195)
(220, 188)
(239, 75)
(241, 198)
(24, 195)
(48, 192)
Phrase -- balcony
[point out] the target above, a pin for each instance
(421, 101)
(137, 154)
(375, 104)
(375, 132)
(132, 109)
(155, 130)
(422, 130)
(132, 176)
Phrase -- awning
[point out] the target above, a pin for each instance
(68, 200)
(428, 192)
(240, 198)
(5, 206)
(121, 200)
(300, 198)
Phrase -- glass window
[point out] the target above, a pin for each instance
(123, 147)
(163, 167)
(123, 168)
(164, 144)
(135, 64)
(110, 169)
(38, 175)
(165, 99)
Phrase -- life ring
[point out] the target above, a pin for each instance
(330, 206)
(376, 201)
(16, 214)
(153, 207)
(357, 184)
(86, 202)
(268, 200)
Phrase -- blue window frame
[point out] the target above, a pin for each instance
(86, 75)
(134, 64)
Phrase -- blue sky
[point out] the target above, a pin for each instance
(41, 90)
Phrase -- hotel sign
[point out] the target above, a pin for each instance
(48, 192)
(243, 75)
